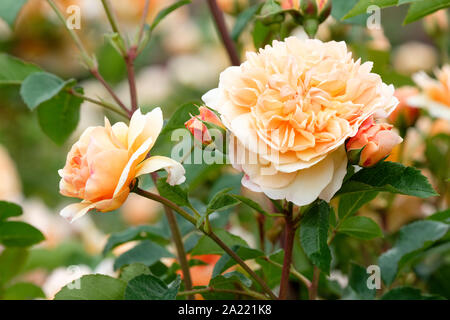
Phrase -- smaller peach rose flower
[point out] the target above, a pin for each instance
(197, 127)
(372, 143)
(404, 115)
(101, 166)
(435, 97)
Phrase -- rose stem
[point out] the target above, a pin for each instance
(224, 34)
(89, 62)
(178, 241)
(103, 104)
(210, 234)
(288, 248)
(111, 17)
(131, 56)
(314, 284)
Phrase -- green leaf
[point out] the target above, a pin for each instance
(243, 20)
(407, 293)
(148, 287)
(19, 234)
(227, 281)
(360, 227)
(135, 233)
(412, 237)
(12, 261)
(225, 262)
(176, 194)
(314, 235)
(222, 201)
(146, 253)
(93, 287)
(12, 70)
(352, 202)
(340, 8)
(133, 270)
(23, 291)
(421, 9)
(40, 87)
(9, 9)
(272, 273)
(207, 246)
(8, 210)
(358, 282)
(362, 5)
(390, 177)
(252, 204)
(59, 116)
(164, 12)
(441, 216)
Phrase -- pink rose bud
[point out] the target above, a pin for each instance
(198, 129)
(372, 143)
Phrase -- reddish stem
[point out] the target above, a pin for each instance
(224, 34)
(99, 77)
(288, 248)
(129, 61)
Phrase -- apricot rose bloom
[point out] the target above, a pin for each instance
(435, 97)
(290, 108)
(372, 143)
(104, 162)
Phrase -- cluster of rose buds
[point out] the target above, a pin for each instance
(372, 143)
(196, 125)
(314, 12)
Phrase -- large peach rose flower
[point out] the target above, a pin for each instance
(101, 166)
(290, 109)
(436, 93)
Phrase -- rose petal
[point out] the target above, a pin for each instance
(174, 169)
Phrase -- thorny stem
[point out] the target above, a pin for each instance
(288, 248)
(224, 34)
(178, 241)
(210, 234)
(249, 293)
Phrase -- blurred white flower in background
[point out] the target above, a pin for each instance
(412, 57)
(62, 276)
(199, 70)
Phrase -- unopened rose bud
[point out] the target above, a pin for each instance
(233, 7)
(198, 128)
(405, 115)
(372, 143)
(313, 12)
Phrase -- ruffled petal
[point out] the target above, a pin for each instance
(174, 169)
(76, 210)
